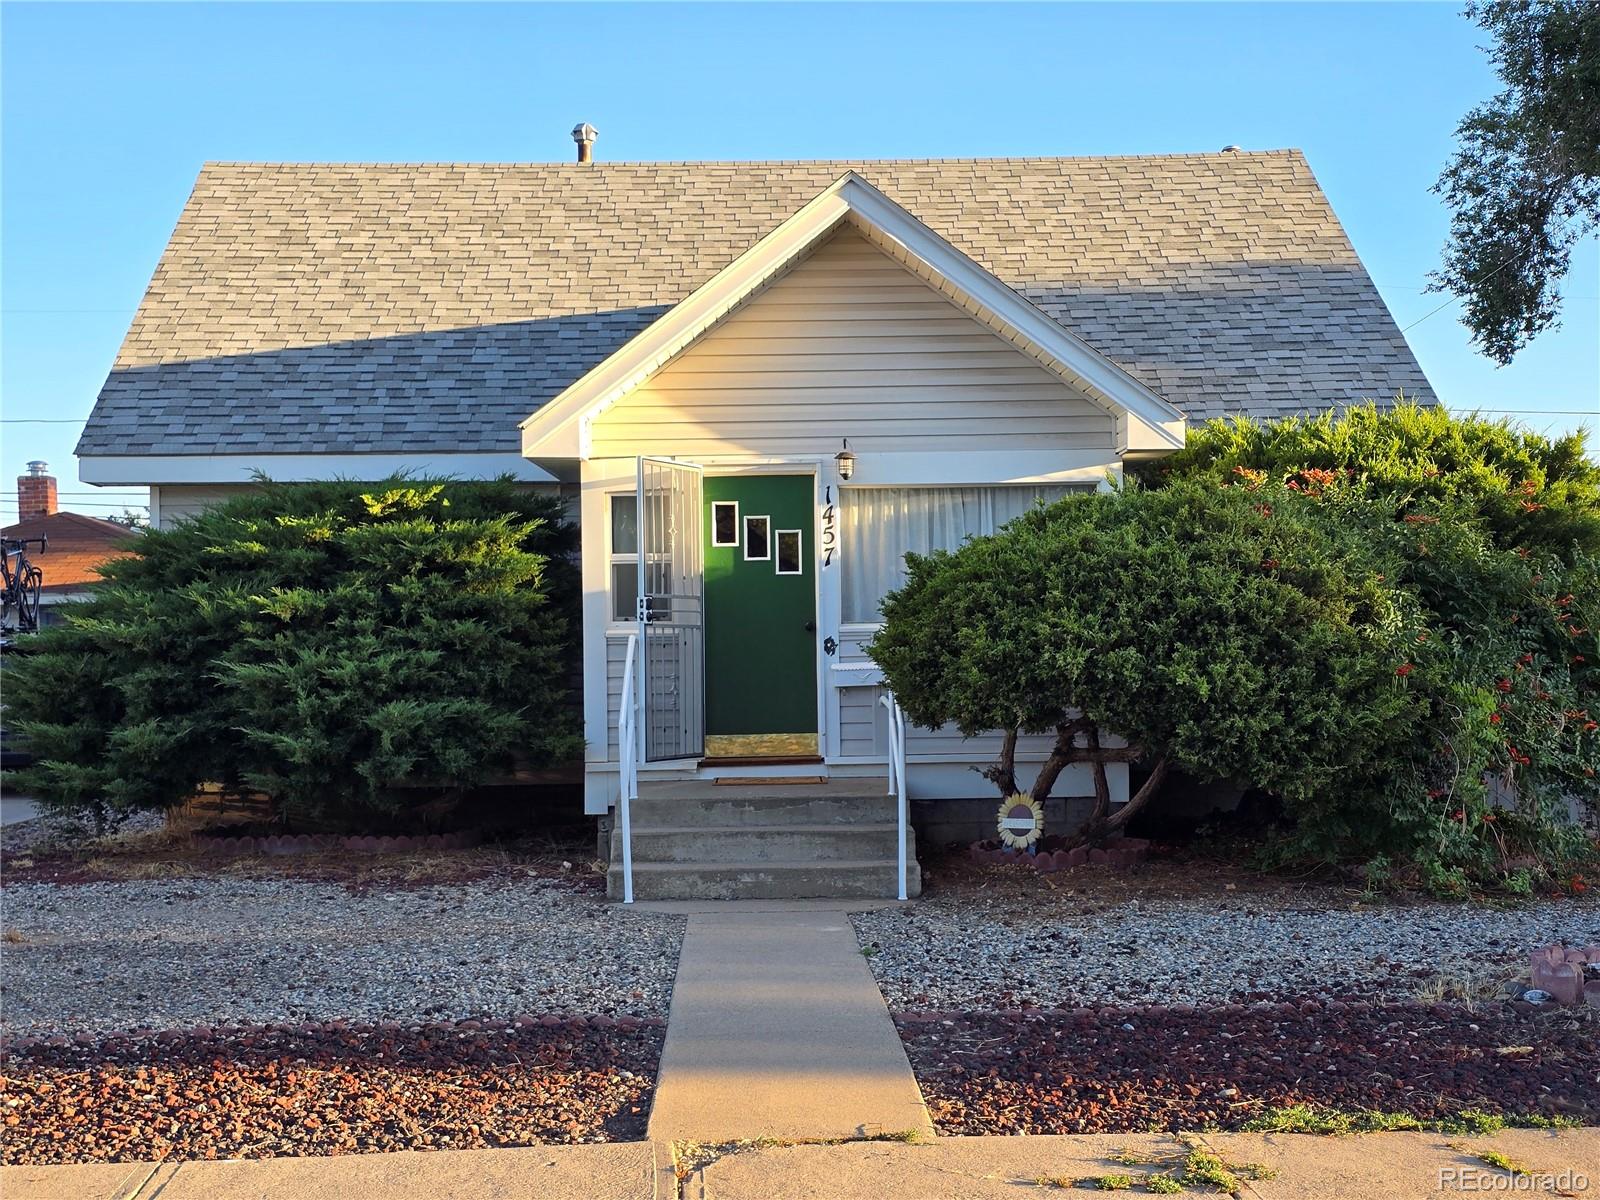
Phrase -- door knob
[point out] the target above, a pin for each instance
(811, 626)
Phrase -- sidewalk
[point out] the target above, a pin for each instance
(777, 1030)
(1381, 1166)
(1393, 1166)
(606, 1172)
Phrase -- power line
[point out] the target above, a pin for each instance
(81, 504)
(1538, 412)
(42, 420)
(1482, 279)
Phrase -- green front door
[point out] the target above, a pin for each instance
(761, 616)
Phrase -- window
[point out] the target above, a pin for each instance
(757, 539)
(789, 550)
(624, 566)
(725, 523)
(878, 526)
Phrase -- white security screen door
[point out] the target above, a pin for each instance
(671, 610)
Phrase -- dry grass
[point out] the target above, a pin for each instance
(164, 854)
(13, 937)
(1465, 988)
(117, 867)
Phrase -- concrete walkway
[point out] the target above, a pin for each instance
(16, 809)
(1393, 1166)
(777, 1030)
(618, 1172)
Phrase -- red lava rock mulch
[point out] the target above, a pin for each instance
(1050, 854)
(272, 1092)
(1085, 1072)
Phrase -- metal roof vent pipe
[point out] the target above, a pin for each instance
(1230, 149)
(585, 135)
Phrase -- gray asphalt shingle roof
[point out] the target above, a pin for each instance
(419, 307)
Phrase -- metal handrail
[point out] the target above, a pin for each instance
(628, 752)
(897, 779)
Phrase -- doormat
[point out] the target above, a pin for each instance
(757, 781)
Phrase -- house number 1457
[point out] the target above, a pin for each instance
(830, 528)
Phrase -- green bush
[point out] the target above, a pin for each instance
(1494, 534)
(1419, 697)
(1214, 632)
(321, 643)
(1528, 490)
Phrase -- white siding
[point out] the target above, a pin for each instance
(616, 663)
(172, 502)
(941, 760)
(849, 344)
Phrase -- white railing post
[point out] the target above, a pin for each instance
(628, 767)
(897, 780)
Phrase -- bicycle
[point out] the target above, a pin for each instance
(20, 584)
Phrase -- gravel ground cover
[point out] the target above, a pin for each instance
(1113, 1070)
(268, 1092)
(125, 956)
(999, 943)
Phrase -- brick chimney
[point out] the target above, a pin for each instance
(36, 492)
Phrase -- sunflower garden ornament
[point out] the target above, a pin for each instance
(1021, 821)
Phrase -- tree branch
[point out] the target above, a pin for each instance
(1003, 773)
(1097, 830)
(1102, 788)
(1062, 754)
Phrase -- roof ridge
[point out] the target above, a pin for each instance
(97, 524)
(1276, 152)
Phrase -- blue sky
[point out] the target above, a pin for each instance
(108, 112)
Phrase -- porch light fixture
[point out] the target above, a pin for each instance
(845, 460)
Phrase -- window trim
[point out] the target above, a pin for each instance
(766, 522)
(737, 528)
(800, 551)
(614, 559)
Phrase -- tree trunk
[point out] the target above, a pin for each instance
(1102, 789)
(1097, 831)
(1003, 774)
(1062, 754)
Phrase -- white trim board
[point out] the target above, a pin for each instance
(560, 429)
(143, 470)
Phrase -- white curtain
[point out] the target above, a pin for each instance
(880, 524)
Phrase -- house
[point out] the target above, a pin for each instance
(75, 546)
(759, 383)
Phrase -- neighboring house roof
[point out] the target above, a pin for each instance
(400, 308)
(78, 545)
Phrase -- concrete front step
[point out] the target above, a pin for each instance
(763, 843)
(844, 879)
(714, 811)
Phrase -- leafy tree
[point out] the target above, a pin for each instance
(321, 643)
(1494, 534)
(1524, 186)
(1505, 662)
(1210, 630)
(1526, 489)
